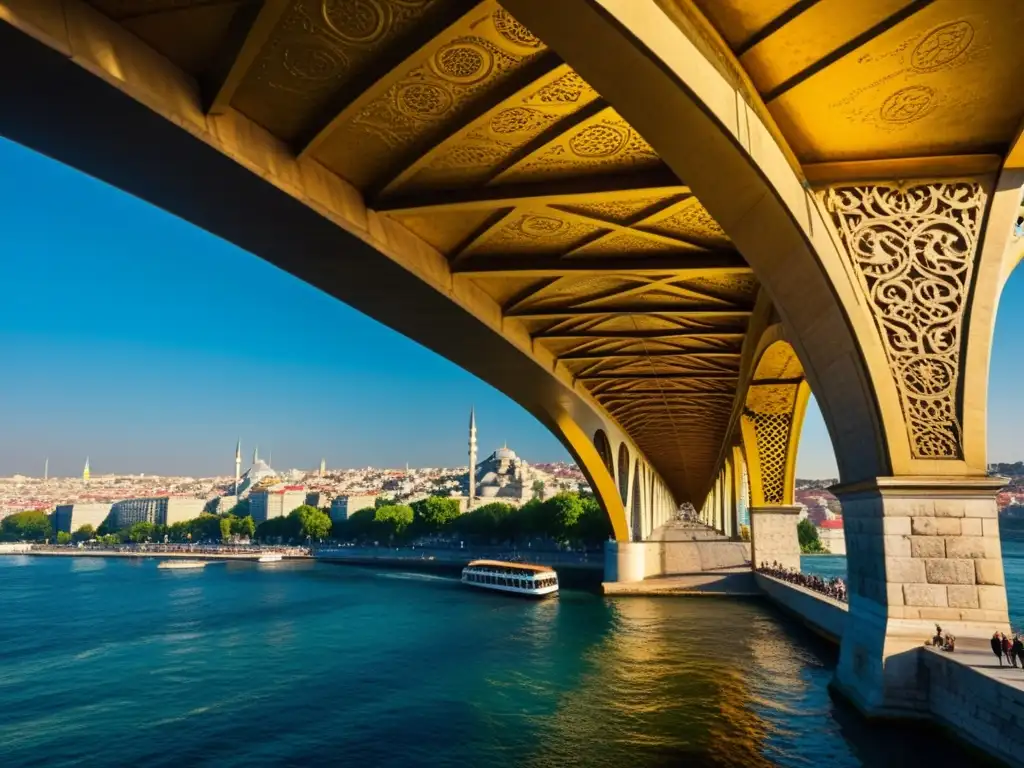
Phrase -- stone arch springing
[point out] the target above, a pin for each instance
(771, 421)
(623, 473)
(636, 518)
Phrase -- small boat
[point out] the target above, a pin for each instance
(515, 578)
(272, 557)
(181, 565)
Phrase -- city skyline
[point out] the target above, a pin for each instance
(149, 345)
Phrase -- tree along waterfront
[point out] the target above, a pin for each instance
(564, 518)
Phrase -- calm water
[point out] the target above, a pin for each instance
(107, 662)
(1013, 568)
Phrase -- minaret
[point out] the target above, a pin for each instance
(238, 464)
(46, 470)
(255, 455)
(85, 472)
(472, 458)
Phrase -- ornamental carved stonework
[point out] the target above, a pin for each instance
(912, 250)
(769, 409)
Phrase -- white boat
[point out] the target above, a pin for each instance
(515, 578)
(272, 557)
(180, 565)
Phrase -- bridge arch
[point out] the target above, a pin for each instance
(742, 170)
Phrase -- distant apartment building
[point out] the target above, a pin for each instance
(276, 501)
(343, 506)
(159, 510)
(70, 517)
(317, 499)
(831, 534)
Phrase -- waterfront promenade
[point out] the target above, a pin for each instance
(965, 691)
(197, 552)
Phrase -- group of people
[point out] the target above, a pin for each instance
(1005, 648)
(834, 587)
(943, 641)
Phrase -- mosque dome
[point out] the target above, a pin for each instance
(505, 453)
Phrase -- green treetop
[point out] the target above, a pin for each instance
(435, 513)
(311, 522)
(810, 544)
(33, 525)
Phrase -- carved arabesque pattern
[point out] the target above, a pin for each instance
(913, 252)
(771, 431)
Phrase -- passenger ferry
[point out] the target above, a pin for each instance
(182, 565)
(517, 578)
(270, 557)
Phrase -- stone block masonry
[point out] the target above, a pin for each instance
(936, 549)
(920, 551)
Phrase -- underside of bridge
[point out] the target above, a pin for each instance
(655, 224)
(457, 122)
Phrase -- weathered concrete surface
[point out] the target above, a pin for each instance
(965, 691)
(822, 614)
(730, 582)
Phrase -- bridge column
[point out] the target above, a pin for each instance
(923, 544)
(735, 463)
(770, 424)
(920, 552)
(723, 484)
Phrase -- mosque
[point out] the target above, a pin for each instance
(502, 476)
(259, 475)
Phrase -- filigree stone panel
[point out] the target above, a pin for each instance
(769, 410)
(913, 253)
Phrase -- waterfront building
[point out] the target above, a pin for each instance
(831, 534)
(158, 510)
(318, 499)
(275, 501)
(343, 506)
(68, 518)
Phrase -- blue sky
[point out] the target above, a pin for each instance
(135, 338)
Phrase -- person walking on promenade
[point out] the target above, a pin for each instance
(997, 647)
(1006, 650)
(1017, 649)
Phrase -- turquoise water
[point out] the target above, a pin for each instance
(1013, 568)
(111, 662)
